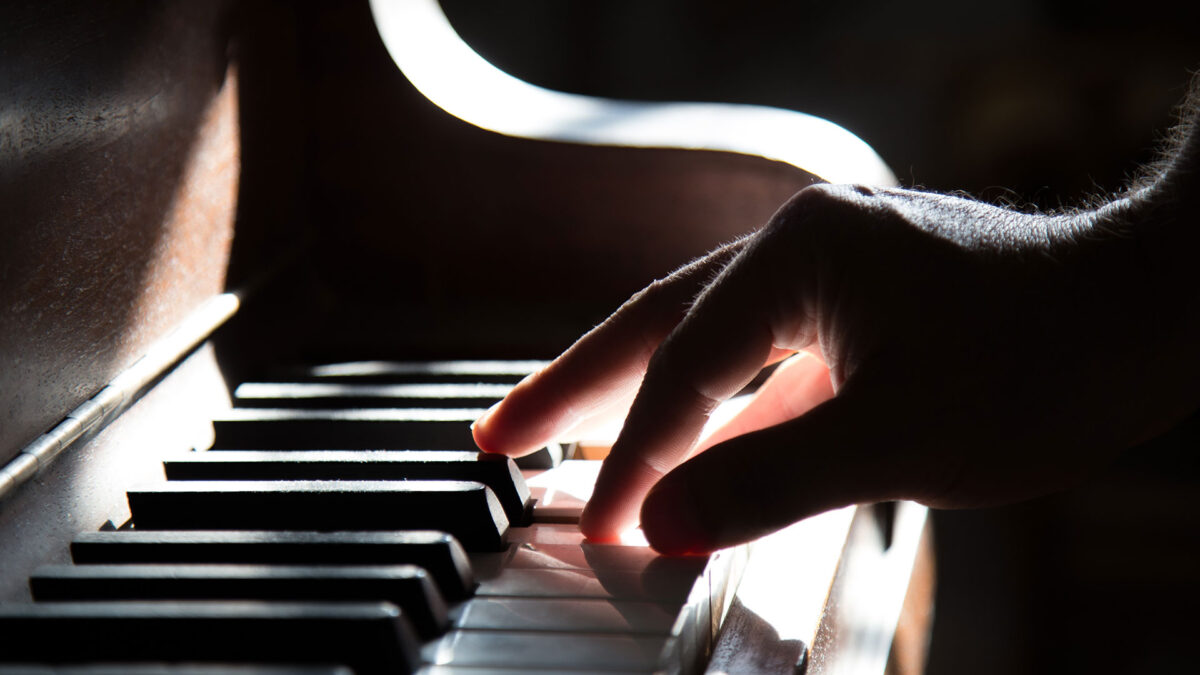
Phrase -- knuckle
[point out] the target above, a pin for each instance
(674, 373)
(832, 197)
(825, 214)
(815, 200)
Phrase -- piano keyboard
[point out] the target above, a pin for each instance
(342, 521)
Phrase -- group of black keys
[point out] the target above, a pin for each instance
(360, 558)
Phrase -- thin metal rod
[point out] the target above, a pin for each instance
(119, 394)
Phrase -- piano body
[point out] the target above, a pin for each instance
(201, 194)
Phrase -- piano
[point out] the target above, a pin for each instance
(263, 262)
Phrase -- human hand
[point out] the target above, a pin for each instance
(978, 355)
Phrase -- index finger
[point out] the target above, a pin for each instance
(718, 347)
(600, 369)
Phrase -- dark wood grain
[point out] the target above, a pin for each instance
(118, 177)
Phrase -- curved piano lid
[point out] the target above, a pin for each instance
(449, 73)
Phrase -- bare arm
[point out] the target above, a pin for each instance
(979, 356)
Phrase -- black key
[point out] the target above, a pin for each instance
(469, 511)
(361, 429)
(437, 552)
(502, 372)
(495, 471)
(355, 429)
(406, 586)
(369, 637)
(341, 395)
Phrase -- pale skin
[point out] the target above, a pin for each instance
(938, 349)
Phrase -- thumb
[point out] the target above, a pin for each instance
(855, 448)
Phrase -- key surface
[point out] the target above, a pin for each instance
(368, 637)
(573, 615)
(557, 651)
(438, 553)
(498, 472)
(495, 371)
(583, 556)
(501, 670)
(563, 491)
(358, 395)
(689, 590)
(406, 586)
(467, 510)
(353, 429)
(546, 533)
(687, 627)
(565, 583)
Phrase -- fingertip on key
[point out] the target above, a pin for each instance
(481, 431)
(606, 518)
(595, 528)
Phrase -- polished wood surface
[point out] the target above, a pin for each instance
(118, 176)
(86, 486)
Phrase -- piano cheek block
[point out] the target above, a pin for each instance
(469, 511)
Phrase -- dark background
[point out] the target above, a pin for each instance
(1048, 99)
(1024, 101)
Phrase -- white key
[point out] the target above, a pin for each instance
(562, 615)
(562, 492)
(546, 533)
(611, 584)
(639, 653)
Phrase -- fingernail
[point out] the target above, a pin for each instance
(671, 522)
